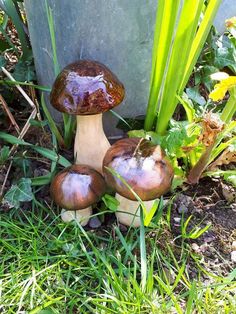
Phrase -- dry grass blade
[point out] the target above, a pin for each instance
(24, 130)
(14, 147)
(21, 133)
(27, 124)
(5, 180)
(8, 112)
(31, 103)
(34, 97)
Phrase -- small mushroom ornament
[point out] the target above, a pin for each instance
(75, 189)
(146, 170)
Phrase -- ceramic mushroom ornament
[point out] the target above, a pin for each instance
(145, 169)
(87, 89)
(75, 189)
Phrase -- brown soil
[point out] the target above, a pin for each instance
(209, 207)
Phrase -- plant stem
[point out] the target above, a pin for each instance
(230, 106)
(51, 123)
(196, 172)
(69, 126)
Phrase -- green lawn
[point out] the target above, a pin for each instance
(47, 266)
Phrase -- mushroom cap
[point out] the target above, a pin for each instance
(77, 187)
(86, 87)
(143, 166)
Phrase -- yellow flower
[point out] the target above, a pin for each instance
(231, 22)
(221, 88)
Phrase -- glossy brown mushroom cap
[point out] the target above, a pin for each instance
(85, 88)
(143, 166)
(77, 187)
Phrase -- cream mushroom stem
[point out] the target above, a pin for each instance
(81, 216)
(128, 212)
(91, 143)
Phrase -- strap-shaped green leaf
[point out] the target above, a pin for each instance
(185, 32)
(164, 30)
(48, 153)
(9, 7)
(180, 33)
(51, 122)
(200, 39)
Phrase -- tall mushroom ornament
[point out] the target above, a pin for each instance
(146, 170)
(87, 89)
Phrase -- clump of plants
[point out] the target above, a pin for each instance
(12, 12)
(199, 137)
(202, 135)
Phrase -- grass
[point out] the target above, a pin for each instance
(47, 266)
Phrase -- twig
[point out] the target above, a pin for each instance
(21, 135)
(5, 179)
(27, 124)
(8, 112)
(32, 104)
(24, 130)
(33, 96)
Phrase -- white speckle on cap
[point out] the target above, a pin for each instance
(132, 163)
(148, 164)
(75, 183)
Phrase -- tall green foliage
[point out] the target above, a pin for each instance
(181, 29)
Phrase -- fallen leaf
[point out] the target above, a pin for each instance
(225, 158)
(21, 192)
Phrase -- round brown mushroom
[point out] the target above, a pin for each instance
(87, 89)
(75, 189)
(144, 168)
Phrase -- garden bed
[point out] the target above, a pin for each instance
(183, 261)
